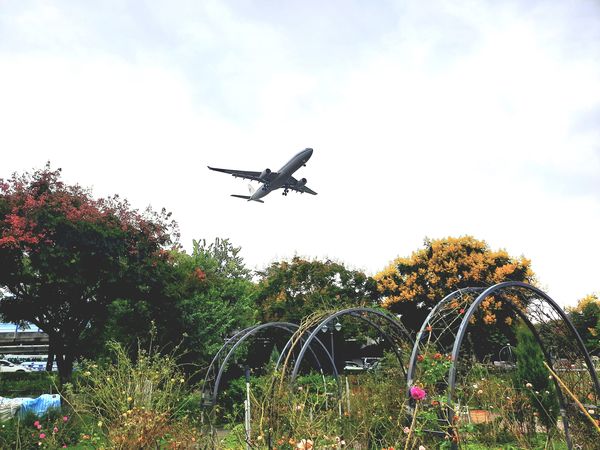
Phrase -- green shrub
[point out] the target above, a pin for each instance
(27, 384)
(108, 391)
(137, 404)
(532, 376)
(235, 438)
(51, 431)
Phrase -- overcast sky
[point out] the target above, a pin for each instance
(428, 119)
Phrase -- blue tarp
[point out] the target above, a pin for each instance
(39, 406)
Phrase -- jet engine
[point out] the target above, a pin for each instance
(264, 174)
(301, 182)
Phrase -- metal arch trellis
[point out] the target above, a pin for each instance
(217, 361)
(437, 329)
(369, 316)
(384, 323)
(377, 327)
(447, 324)
(537, 310)
(215, 371)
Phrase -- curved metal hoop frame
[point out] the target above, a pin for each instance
(538, 314)
(369, 316)
(218, 365)
(437, 329)
(542, 315)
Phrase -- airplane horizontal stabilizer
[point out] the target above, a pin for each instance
(246, 197)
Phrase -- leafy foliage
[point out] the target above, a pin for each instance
(138, 403)
(413, 285)
(291, 290)
(586, 319)
(215, 296)
(66, 256)
(27, 384)
(533, 376)
(111, 390)
(51, 431)
(202, 298)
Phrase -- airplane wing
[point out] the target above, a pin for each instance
(245, 174)
(294, 185)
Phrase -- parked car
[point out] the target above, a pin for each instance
(370, 361)
(352, 366)
(39, 366)
(7, 366)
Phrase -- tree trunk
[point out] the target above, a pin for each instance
(50, 360)
(64, 356)
(65, 370)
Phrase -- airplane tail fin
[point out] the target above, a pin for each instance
(246, 197)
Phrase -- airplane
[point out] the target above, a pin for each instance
(274, 180)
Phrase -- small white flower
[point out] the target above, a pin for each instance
(305, 444)
(529, 385)
(591, 411)
(475, 386)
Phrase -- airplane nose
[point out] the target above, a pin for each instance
(309, 151)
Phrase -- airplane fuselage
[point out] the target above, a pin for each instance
(283, 174)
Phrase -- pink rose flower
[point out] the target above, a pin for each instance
(55, 429)
(36, 423)
(417, 393)
(65, 418)
(42, 435)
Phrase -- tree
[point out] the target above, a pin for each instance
(412, 286)
(203, 298)
(532, 376)
(65, 256)
(291, 290)
(586, 319)
(215, 298)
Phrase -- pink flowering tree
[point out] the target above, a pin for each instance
(65, 256)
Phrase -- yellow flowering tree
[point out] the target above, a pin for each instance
(412, 285)
(586, 318)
